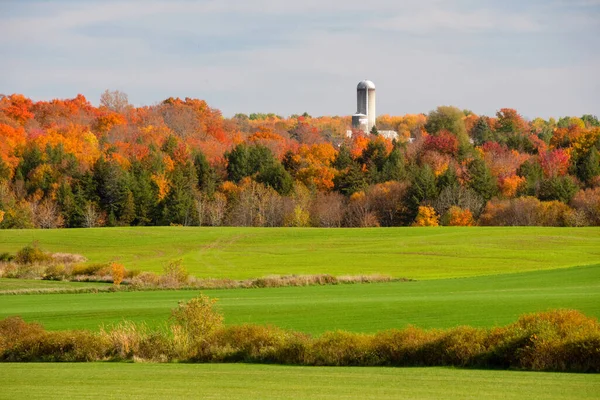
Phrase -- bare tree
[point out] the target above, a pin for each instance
(92, 217)
(216, 209)
(327, 210)
(46, 214)
(201, 204)
(115, 100)
(459, 196)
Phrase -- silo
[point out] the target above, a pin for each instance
(365, 92)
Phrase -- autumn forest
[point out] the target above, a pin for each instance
(67, 163)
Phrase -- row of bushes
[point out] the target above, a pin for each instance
(560, 340)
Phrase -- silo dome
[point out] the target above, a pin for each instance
(366, 84)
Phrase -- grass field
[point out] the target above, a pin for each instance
(466, 276)
(419, 253)
(242, 381)
(477, 301)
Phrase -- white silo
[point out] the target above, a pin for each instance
(365, 93)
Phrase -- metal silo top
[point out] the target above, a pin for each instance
(366, 84)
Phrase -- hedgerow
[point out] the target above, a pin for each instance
(558, 340)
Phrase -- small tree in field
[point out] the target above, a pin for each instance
(427, 217)
(118, 273)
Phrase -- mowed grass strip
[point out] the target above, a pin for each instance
(479, 301)
(243, 381)
(241, 253)
(7, 284)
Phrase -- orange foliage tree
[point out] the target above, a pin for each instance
(458, 217)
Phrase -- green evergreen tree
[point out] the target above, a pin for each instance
(245, 160)
(145, 197)
(448, 179)
(178, 205)
(350, 180)
(343, 159)
(589, 167)
(127, 214)
(206, 176)
(71, 205)
(393, 168)
(423, 187)
(533, 173)
(482, 180)
(481, 132)
(276, 177)
(112, 186)
(561, 188)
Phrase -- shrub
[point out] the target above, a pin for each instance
(64, 346)
(175, 274)
(130, 341)
(90, 269)
(14, 329)
(118, 273)
(266, 344)
(341, 348)
(55, 273)
(145, 280)
(23, 271)
(31, 254)
(193, 325)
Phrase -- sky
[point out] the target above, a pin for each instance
(540, 57)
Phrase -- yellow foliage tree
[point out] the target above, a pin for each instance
(118, 273)
(427, 217)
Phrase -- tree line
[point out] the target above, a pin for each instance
(67, 163)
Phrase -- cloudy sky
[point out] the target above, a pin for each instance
(539, 56)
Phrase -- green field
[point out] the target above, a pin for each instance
(477, 301)
(419, 253)
(481, 277)
(239, 381)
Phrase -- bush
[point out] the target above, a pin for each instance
(175, 274)
(193, 325)
(91, 269)
(6, 257)
(55, 273)
(145, 280)
(21, 341)
(130, 341)
(31, 254)
(262, 344)
(341, 348)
